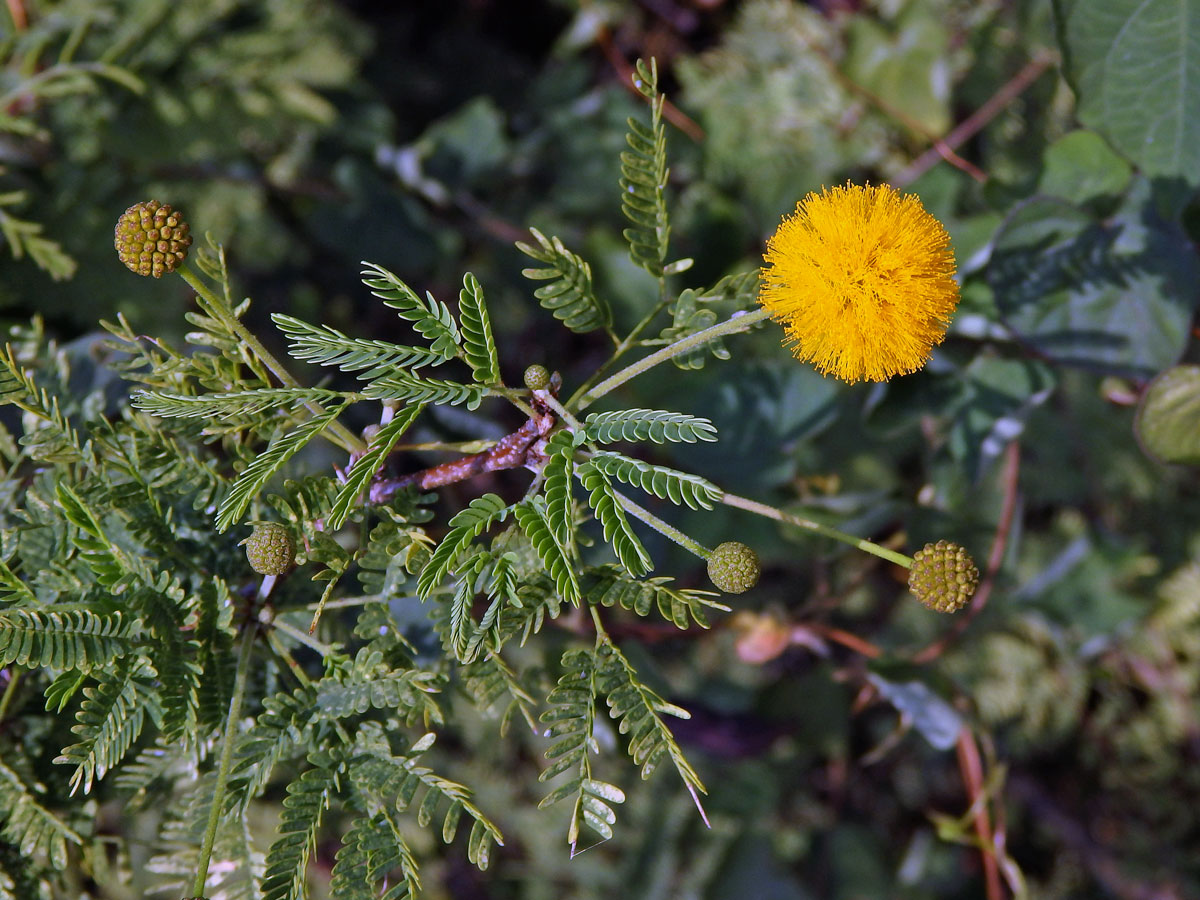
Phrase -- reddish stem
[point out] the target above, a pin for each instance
(972, 773)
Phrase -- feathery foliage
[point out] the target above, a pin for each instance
(570, 296)
(268, 463)
(431, 318)
(655, 425)
(617, 531)
(571, 721)
(644, 179)
(478, 345)
(325, 346)
(665, 483)
(359, 476)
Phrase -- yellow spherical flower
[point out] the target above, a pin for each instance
(862, 279)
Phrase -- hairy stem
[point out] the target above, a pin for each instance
(623, 346)
(666, 530)
(809, 525)
(738, 323)
(225, 764)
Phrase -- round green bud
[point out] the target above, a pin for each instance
(943, 576)
(734, 567)
(537, 377)
(151, 238)
(270, 549)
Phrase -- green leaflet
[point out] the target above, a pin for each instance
(230, 404)
(35, 830)
(480, 515)
(571, 719)
(644, 179)
(270, 461)
(479, 347)
(326, 346)
(431, 318)
(661, 481)
(610, 585)
(303, 808)
(373, 847)
(639, 711)
(365, 467)
(63, 638)
(656, 425)
(556, 475)
(531, 516)
(110, 719)
(604, 503)
(384, 780)
(569, 295)
(402, 385)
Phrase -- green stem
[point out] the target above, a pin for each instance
(14, 675)
(563, 413)
(220, 309)
(623, 346)
(667, 531)
(225, 764)
(303, 637)
(780, 516)
(734, 325)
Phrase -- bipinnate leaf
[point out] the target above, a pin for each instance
(303, 808)
(644, 179)
(267, 463)
(531, 516)
(326, 346)
(661, 481)
(466, 525)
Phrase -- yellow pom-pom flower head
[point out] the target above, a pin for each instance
(862, 280)
(152, 239)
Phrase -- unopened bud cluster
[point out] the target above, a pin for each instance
(151, 238)
(270, 549)
(943, 576)
(734, 567)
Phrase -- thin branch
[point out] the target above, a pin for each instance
(972, 773)
(975, 122)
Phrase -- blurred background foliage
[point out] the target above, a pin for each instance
(308, 135)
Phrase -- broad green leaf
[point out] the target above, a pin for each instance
(1135, 66)
(1115, 295)
(1080, 166)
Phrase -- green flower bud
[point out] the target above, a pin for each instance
(270, 549)
(537, 377)
(943, 576)
(734, 567)
(151, 238)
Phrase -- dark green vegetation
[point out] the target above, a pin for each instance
(506, 640)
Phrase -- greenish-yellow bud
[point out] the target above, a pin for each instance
(270, 549)
(537, 377)
(734, 567)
